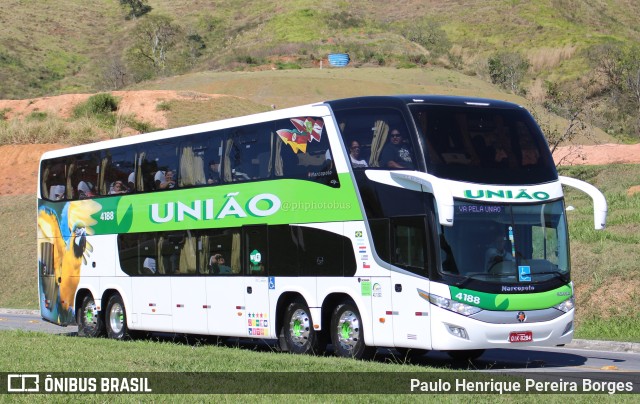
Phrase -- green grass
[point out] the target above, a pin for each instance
(32, 352)
(605, 264)
(190, 112)
(17, 232)
(66, 46)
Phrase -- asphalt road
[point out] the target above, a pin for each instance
(579, 356)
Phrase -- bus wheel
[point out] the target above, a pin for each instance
(116, 318)
(346, 333)
(89, 322)
(299, 335)
(466, 355)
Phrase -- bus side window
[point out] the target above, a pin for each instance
(256, 250)
(248, 155)
(54, 180)
(118, 171)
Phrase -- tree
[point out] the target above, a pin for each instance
(575, 106)
(136, 8)
(155, 37)
(429, 34)
(619, 68)
(507, 69)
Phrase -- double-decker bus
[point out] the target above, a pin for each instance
(412, 222)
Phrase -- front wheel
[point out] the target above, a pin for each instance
(298, 332)
(89, 321)
(116, 318)
(347, 335)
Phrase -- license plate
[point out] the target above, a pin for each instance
(521, 336)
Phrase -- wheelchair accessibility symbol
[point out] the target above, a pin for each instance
(272, 282)
(524, 273)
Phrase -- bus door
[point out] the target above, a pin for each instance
(256, 292)
(49, 289)
(188, 290)
(409, 284)
(152, 290)
(225, 283)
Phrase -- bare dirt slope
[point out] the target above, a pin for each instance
(19, 163)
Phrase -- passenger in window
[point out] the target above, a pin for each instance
(85, 190)
(213, 177)
(354, 155)
(217, 265)
(56, 192)
(149, 266)
(396, 153)
(497, 251)
(131, 181)
(164, 179)
(118, 187)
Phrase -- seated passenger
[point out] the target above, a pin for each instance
(164, 180)
(213, 177)
(396, 153)
(217, 265)
(149, 266)
(56, 192)
(118, 188)
(496, 252)
(354, 155)
(85, 190)
(131, 181)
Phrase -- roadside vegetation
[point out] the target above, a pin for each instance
(30, 352)
(534, 49)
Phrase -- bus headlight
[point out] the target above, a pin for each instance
(453, 306)
(566, 306)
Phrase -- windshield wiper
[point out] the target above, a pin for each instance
(563, 276)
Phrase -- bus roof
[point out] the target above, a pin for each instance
(450, 100)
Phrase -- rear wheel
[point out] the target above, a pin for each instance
(299, 335)
(347, 335)
(116, 318)
(88, 318)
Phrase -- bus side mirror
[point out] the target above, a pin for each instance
(599, 201)
(433, 185)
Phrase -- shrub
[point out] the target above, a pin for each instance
(98, 104)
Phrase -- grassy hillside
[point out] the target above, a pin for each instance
(67, 45)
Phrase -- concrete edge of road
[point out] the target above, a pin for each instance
(591, 345)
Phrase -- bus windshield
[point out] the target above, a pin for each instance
(506, 243)
(483, 144)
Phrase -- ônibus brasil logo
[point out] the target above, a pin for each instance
(505, 194)
(260, 206)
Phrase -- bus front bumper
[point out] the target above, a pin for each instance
(452, 331)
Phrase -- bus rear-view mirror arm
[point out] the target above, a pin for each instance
(599, 201)
(435, 186)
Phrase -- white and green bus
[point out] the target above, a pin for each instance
(412, 222)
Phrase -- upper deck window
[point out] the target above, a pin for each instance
(484, 145)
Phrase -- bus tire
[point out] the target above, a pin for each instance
(466, 355)
(116, 318)
(299, 335)
(347, 335)
(89, 321)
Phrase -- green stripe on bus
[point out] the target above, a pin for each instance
(266, 202)
(510, 302)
